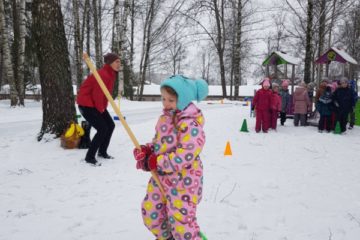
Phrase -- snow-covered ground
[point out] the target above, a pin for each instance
(293, 184)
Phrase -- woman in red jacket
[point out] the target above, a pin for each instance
(92, 105)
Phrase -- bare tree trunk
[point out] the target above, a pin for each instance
(15, 45)
(174, 52)
(355, 45)
(207, 78)
(146, 46)
(237, 49)
(21, 52)
(330, 32)
(313, 69)
(88, 29)
(350, 35)
(77, 43)
(220, 42)
(124, 50)
(100, 29)
(116, 44)
(131, 76)
(113, 31)
(233, 39)
(18, 47)
(203, 65)
(96, 34)
(57, 93)
(321, 36)
(9, 73)
(308, 48)
(1, 63)
(132, 32)
(120, 46)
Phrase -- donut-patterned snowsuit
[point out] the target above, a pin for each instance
(180, 172)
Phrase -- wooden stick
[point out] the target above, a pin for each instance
(118, 113)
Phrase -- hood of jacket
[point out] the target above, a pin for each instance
(299, 91)
(326, 97)
(191, 111)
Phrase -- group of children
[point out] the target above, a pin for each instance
(268, 103)
(334, 101)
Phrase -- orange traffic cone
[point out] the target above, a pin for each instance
(227, 151)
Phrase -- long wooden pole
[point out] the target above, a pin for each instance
(118, 113)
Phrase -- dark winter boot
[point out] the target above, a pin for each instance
(92, 161)
(105, 155)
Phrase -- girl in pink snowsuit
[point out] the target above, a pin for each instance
(261, 102)
(174, 155)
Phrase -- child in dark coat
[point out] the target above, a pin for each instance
(285, 100)
(343, 101)
(325, 107)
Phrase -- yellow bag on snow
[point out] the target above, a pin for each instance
(71, 138)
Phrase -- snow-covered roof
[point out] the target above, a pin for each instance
(288, 58)
(337, 55)
(284, 58)
(345, 55)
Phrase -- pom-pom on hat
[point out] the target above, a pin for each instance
(275, 85)
(109, 58)
(266, 82)
(187, 90)
(285, 83)
(343, 80)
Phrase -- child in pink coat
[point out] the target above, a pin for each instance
(275, 106)
(174, 154)
(261, 103)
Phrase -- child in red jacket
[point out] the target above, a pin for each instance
(275, 105)
(262, 107)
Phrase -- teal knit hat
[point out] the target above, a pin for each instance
(186, 89)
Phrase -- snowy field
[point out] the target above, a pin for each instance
(293, 184)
